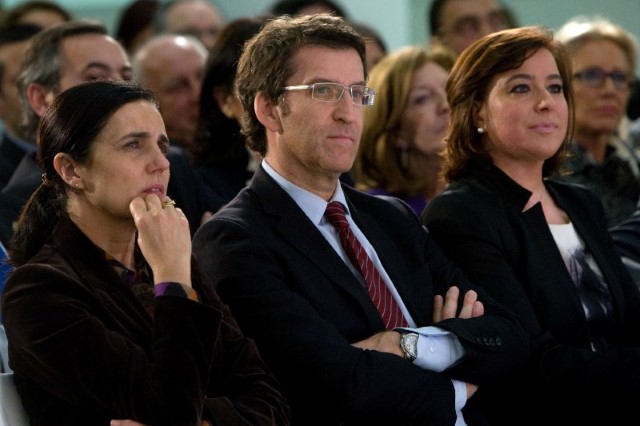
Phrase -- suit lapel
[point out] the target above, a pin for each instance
(304, 237)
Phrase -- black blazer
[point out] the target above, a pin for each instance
(84, 350)
(294, 295)
(512, 254)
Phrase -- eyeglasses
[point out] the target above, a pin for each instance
(332, 92)
(595, 77)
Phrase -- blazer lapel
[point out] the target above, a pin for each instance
(304, 237)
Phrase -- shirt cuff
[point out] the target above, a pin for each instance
(438, 349)
(169, 288)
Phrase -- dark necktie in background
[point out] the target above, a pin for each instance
(378, 291)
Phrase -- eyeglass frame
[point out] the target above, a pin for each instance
(371, 92)
(603, 75)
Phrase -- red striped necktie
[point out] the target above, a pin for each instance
(378, 291)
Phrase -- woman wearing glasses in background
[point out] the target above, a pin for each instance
(604, 60)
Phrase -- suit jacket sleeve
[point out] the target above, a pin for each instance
(304, 325)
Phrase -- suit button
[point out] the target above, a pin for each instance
(498, 341)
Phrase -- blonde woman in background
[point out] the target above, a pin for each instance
(403, 132)
(603, 57)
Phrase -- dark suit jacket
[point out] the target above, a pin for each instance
(295, 296)
(84, 350)
(10, 156)
(512, 254)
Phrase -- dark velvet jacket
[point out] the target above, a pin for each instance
(84, 350)
(292, 293)
(512, 254)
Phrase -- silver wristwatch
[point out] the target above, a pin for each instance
(409, 344)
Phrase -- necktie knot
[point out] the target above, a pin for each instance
(336, 216)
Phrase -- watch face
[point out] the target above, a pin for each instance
(409, 345)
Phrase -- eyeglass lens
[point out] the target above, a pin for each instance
(596, 77)
(332, 92)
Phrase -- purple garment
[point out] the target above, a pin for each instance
(416, 202)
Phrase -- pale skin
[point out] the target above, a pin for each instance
(311, 143)
(525, 117)
(116, 196)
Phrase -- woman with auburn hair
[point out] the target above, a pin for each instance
(539, 246)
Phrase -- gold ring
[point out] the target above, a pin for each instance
(168, 202)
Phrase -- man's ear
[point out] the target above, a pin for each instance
(66, 168)
(268, 112)
(39, 98)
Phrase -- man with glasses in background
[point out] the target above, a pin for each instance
(456, 24)
(354, 307)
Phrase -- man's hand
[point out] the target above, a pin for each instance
(445, 308)
(385, 341)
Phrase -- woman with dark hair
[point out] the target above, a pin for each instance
(106, 314)
(222, 160)
(539, 246)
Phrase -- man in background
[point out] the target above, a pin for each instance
(14, 41)
(199, 18)
(456, 24)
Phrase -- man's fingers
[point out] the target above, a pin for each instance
(438, 303)
(450, 303)
(470, 298)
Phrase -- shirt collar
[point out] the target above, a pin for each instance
(312, 205)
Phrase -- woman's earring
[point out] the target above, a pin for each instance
(481, 130)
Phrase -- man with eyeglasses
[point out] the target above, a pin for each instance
(354, 307)
(603, 56)
(456, 24)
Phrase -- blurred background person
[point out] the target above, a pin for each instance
(58, 58)
(106, 314)
(38, 12)
(135, 24)
(222, 158)
(14, 144)
(604, 59)
(375, 47)
(456, 24)
(404, 130)
(172, 66)
(198, 18)
(307, 7)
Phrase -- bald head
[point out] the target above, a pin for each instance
(172, 66)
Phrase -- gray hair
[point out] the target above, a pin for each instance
(42, 64)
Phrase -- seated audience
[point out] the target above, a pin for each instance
(395, 336)
(106, 315)
(306, 7)
(403, 135)
(538, 246)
